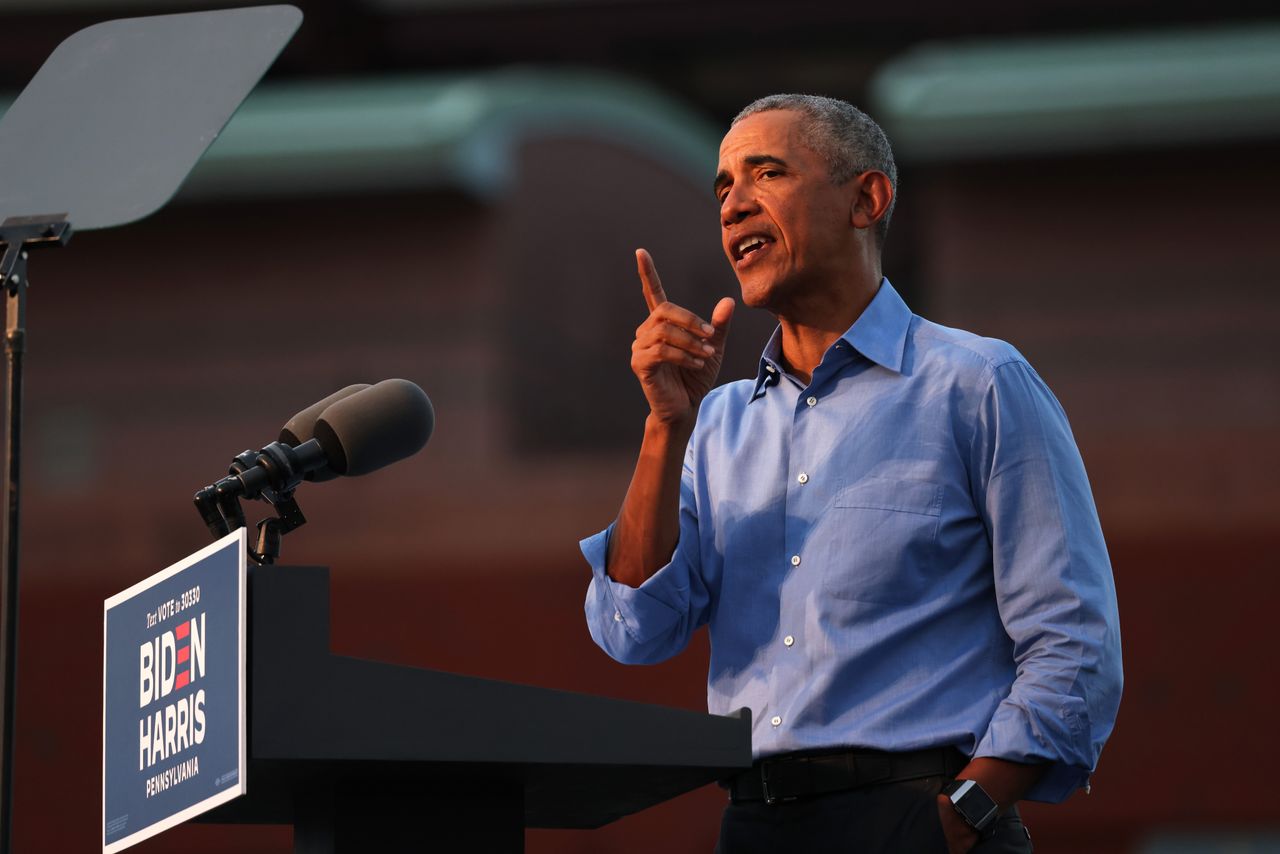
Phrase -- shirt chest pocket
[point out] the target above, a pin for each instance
(880, 540)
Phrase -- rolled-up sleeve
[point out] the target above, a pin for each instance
(1053, 584)
(652, 622)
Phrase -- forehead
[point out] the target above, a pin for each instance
(776, 133)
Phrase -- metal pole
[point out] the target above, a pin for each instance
(17, 234)
(14, 347)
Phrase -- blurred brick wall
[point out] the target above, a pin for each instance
(160, 350)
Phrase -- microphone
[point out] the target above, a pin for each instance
(301, 427)
(354, 431)
(375, 427)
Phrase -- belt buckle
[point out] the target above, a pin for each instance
(770, 797)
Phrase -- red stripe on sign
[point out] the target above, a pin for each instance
(182, 630)
(183, 678)
(184, 652)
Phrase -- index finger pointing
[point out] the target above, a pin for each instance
(654, 295)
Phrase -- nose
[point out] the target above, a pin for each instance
(738, 204)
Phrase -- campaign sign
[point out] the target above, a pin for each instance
(173, 694)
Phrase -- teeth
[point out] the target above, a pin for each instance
(749, 243)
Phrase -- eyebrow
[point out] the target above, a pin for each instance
(722, 177)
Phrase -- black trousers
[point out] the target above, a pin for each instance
(893, 818)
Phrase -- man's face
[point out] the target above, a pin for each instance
(784, 225)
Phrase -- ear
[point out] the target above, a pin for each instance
(871, 199)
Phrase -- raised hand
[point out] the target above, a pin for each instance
(676, 354)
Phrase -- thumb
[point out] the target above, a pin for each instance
(721, 315)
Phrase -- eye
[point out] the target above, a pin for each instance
(770, 173)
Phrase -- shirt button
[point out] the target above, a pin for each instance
(769, 368)
(795, 560)
(812, 401)
(617, 616)
(776, 721)
(789, 640)
(803, 478)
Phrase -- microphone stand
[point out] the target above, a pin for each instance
(219, 503)
(18, 234)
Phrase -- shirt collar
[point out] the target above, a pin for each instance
(879, 333)
(770, 370)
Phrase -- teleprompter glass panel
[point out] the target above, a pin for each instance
(114, 120)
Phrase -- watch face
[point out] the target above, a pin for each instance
(974, 805)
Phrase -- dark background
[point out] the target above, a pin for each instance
(1126, 246)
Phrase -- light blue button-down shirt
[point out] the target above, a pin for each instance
(902, 554)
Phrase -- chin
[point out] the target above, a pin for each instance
(752, 298)
(758, 294)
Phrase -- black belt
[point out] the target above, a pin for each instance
(794, 775)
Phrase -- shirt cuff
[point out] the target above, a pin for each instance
(626, 621)
(1038, 732)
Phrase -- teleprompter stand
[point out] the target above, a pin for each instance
(366, 756)
(104, 134)
(18, 235)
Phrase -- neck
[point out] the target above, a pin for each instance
(818, 320)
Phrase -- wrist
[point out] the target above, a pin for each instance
(675, 426)
(1005, 781)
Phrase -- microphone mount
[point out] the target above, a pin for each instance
(270, 474)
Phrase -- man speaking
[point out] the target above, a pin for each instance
(888, 531)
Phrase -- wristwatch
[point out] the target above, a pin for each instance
(974, 805)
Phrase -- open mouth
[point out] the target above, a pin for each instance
(747, 247)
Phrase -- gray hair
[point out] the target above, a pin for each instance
(845, 137)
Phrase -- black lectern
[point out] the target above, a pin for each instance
(367, 756)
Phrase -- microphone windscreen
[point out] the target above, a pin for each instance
(375, 427)
(302, 426)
